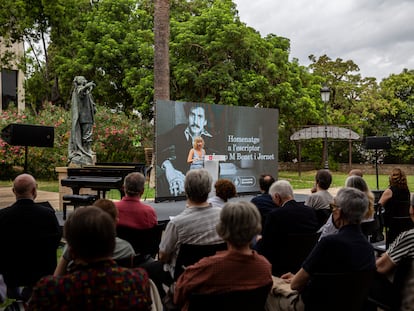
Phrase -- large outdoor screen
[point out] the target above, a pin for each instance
(247, 137)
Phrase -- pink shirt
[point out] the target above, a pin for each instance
(134, 214)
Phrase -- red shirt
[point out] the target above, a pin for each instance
(134, 214)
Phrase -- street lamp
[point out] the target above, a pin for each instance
(325, 92)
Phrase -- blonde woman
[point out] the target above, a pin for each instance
(196, 154)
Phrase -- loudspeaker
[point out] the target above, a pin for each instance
(377, 142)
(28, 135)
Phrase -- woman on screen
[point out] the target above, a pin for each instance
(196, 154)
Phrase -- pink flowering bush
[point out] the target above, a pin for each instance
(117, 138)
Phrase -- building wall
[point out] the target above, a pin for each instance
(18, 50)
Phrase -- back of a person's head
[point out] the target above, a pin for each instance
(282, 188)
(197, 185)
(265, 181)
(357, 182)
(107, 206)
(239, 223)
(24, 185)
(398, 179)
(323, 179)
(225, 189)
(90, 233)
(353, 204)
(356, 172)
(134, 184)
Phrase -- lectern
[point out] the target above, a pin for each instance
(211, 164)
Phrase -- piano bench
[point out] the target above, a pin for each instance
(77, 200)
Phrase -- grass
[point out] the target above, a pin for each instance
(305, 181)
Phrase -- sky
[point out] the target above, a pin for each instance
(377, 35)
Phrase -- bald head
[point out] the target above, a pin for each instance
(24, 187)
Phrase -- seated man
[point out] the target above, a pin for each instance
(98, 283)
(346, 251)
(238, 268)
(264, 201)
(29, 236)
(122, 248)
(195, 225)
(290, 218)
(132, 212)
(321, 198)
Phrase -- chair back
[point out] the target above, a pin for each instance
(191, 253)
(293, 251)
(338, 291)
(243, 300)
(144, 241)
(396, 226)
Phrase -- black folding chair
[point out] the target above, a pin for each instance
(145, 241)
(244, 300)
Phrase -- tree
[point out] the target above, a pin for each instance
(397, 121)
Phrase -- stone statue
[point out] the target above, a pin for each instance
(83, 111)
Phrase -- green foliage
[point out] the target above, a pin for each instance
(116, 138)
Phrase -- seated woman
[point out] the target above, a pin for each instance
(238, 268)
(225, 189)
(358, 183)
(346, 251)
(123, 249)
(98, 283)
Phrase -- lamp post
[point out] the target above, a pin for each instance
(325, 92)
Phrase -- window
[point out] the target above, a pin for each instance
(8, 88)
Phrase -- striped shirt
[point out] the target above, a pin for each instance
(402, 247)
(195, 225)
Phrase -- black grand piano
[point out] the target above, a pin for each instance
(101, 177)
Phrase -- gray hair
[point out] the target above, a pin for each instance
(134, 184)
(353, 204)
(239, 223)
(197, 185)
(282, 188)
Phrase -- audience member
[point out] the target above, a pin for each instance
(29, 236)
(225, 190)
(238, 268)
(400, 251)
(359, 183)
(98, 283)
(132, 212)
(396, 193)
(291, 218)
(321, 199)
(347, 251)
(264, 201)
(195, 225)
(122, 248)
(356, 172)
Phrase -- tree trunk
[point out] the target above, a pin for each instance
(161, 53)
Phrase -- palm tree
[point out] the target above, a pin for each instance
(161, 53)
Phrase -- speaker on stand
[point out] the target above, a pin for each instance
(377, 142)
(17, 134)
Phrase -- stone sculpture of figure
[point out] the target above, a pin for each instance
(83, 110)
